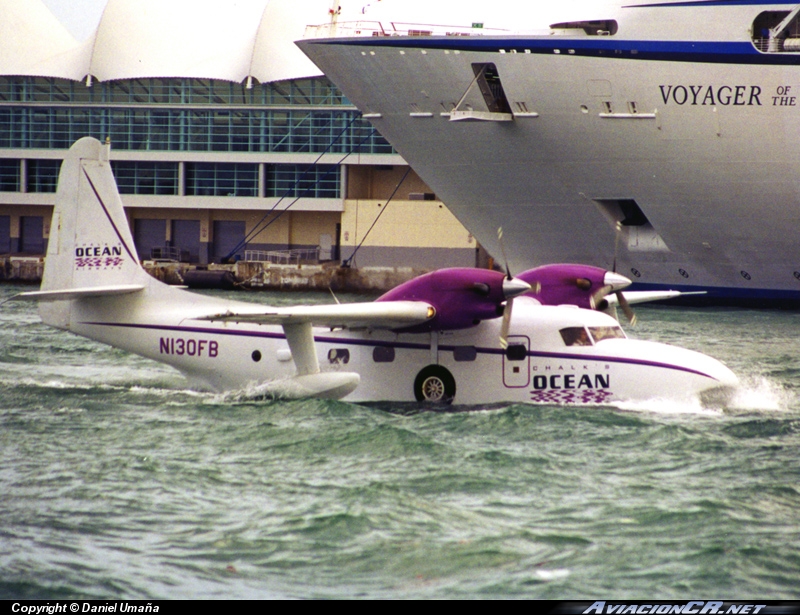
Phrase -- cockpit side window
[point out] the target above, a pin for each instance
(575, 336)
(605, 333)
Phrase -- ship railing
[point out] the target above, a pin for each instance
(282, 257)
(354, 29)
(777, 45)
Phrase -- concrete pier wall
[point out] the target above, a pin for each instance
(249, 275)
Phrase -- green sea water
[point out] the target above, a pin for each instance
(116, 481)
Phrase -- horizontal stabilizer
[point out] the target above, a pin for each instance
(378, 315)
(80, 293)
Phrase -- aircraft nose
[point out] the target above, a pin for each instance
(615, 281)
(514, 286)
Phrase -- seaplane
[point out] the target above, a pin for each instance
(465, 336)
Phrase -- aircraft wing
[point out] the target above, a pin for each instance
(375, 315)
(643, 296)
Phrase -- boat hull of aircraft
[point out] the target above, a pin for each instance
(417, 343)
(469, 364)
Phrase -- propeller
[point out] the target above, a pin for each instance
(511, 288)
(623, 302)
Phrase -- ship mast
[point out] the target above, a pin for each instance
(334, 12)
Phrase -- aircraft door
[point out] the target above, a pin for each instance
(517, 362)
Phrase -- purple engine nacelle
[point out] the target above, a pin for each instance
(462, 297)
(566, 284)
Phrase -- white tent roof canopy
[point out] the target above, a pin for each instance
(163, 38)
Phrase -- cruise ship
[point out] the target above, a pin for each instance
(661, 139)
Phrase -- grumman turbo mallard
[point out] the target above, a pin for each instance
(448, 336)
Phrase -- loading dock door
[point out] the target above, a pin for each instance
(227, 235)
(31, 234)
(186, 237)
(5, 234)
(149, 234)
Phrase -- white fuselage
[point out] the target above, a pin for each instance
(677, 111)
(246, 357)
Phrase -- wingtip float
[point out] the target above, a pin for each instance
(434, 338)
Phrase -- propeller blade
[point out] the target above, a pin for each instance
(506, 324)
(626, 308)
(617, 233)
(503, 251)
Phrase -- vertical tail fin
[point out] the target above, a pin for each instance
(90, 241)
(91, 250)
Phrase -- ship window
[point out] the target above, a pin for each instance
(777, 31)
(599, 27)
(632, 225)
(632, 213)
(606, 333)
(488, 80)
(575, 336)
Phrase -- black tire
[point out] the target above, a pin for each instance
(435, 384)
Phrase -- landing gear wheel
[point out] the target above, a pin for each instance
(435, 384)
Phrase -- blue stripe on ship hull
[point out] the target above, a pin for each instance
(713, 52)
(742, 297)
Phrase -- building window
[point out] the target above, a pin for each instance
(146, 177)
(43, 175)
(221, 179)
(9, 175)
(321, 181)
(219, 121)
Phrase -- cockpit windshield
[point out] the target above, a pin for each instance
(576, 336)
(606, 333)
(579, 336)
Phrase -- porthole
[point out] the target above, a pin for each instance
(635, 272)
(337, 356)
(797, 274)
(383, 354)
(683, 273)
(256, 355)
(746, 275)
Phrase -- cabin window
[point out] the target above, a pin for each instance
(516, 352)
(339, 356)
(465, 353)
(575, 336)
(606, 333)
(383, 354)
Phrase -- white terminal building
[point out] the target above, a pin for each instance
(225, 138)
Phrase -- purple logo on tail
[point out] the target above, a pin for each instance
(98, 258)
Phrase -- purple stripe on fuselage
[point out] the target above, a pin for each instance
(405, 345)
(105, 210)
